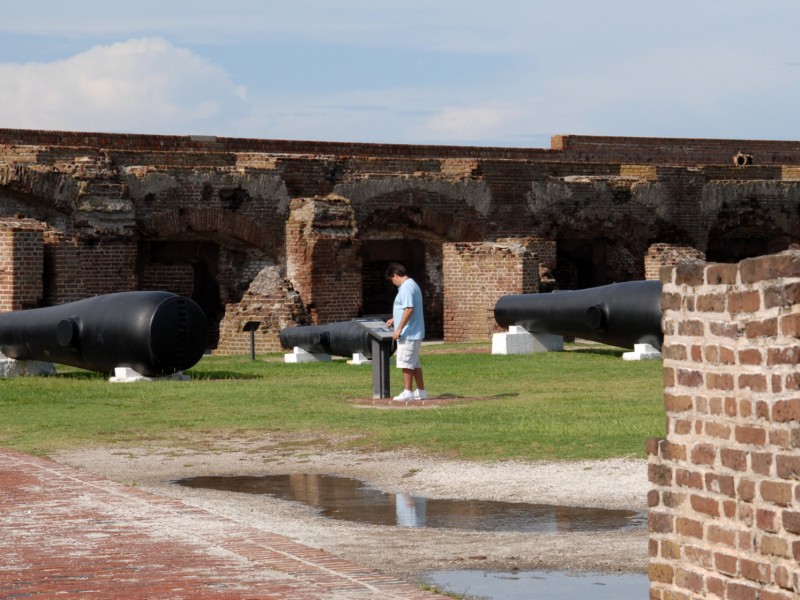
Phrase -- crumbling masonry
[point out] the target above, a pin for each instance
(284, 232)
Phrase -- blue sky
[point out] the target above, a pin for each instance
(496, 72)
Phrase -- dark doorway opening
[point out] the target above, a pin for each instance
(187, 268)
(581, 263)
(376, 292)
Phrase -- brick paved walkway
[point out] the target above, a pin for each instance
(72, 534)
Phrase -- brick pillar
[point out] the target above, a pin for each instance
(476, 274)
(21, 264)
(668, 255)
(725, 500)
(322, 259)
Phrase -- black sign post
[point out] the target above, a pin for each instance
(251, 326)
(381, 346)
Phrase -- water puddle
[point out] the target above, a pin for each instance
(353, 500)
(544, 585)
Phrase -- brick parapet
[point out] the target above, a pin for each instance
(213, 144)
(686, 151)
(725, 498)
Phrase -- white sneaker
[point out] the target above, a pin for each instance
(420, 394)
(406, 395)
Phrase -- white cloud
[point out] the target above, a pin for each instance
(466, 123)
(138, 85)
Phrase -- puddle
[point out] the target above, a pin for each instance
(353, 500)
(544, 585)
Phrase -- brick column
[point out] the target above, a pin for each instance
(322, 259)
(476, 275)
(725, 499)
(21, 264)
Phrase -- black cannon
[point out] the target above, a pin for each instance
(619, 314)
(343, 338)
(153, 333)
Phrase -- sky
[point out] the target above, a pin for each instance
(491, 73)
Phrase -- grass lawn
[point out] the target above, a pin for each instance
(583, 403)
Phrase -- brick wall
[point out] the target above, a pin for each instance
(475, 276)
(725, 499)
(107, 267)
(21, 264)
(668, 255)
(177, 278)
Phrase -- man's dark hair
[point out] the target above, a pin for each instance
(395, 269)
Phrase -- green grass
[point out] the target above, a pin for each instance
(584, 403)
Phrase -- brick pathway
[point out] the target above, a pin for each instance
(72, 534)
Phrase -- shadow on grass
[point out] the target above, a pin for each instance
(221, 376)
(600, 351)
(450, 396)
(204, 376)
(79, 375)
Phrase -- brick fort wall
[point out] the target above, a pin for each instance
(725, 501)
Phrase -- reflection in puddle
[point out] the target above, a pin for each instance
(353, 500)
(527, 585)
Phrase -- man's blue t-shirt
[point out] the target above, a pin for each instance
(409, 295)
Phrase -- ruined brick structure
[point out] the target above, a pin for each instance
(287, 232)
(725, 503)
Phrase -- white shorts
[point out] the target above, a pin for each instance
(407, 355)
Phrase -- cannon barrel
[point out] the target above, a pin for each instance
(153, 333)
(619, 314)
(343, 338)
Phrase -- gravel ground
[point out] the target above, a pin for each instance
(404, 552)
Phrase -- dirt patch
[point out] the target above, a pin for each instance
(405, 552)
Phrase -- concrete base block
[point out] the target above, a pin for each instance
(299, 355)
(127, 375)
(642, 352)
(10, 367)
(359, 359)
(519, 341)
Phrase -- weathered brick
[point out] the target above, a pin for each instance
(743, 302)
(689, 527)
(776, 492)
(786, 410)
(756, 436)
(733, 459)
(788, 466)
(720, 484)
(661, 572)
(677, 403)
(705, 505)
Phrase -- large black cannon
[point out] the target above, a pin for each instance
(153, 333)
(619, 314)
(344, 338)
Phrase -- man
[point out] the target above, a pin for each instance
(409, 331)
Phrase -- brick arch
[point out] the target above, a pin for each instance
(424, 221)
(211, 222)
